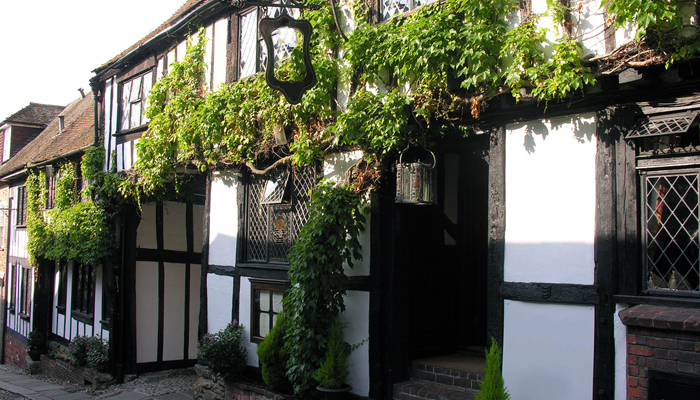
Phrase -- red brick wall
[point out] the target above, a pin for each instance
(663, 339)
(15, 352)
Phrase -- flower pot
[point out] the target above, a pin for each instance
(34, 354)
(334, 394)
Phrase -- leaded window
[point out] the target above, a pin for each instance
(394, 7)
(668, 164)
(25, 294)
(133, 101)
(253, 53)
(276, 211)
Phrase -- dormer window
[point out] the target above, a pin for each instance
(61, 123)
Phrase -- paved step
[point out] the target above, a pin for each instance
(438, 382)
(418, 389)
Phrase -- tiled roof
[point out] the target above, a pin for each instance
(35, 114)
(188, 7)
(78, 133)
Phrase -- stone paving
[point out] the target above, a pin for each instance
(18, 386)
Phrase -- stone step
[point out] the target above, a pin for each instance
(420, 389)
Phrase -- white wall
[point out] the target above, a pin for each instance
(244, 309)
(356, 331)
(550, 201)
(620, 354)
(334, 167)
(223, 229)
(548, 351)
(220, 304)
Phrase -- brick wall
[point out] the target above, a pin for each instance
(15, 352)
(663, 339)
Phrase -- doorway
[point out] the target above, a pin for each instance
(443, 249)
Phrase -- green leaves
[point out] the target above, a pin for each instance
(318, 283)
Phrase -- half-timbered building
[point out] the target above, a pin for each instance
(30, 301)
(567, 231)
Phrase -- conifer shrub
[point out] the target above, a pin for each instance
(334, 370)
(492, 387)
(273, 357)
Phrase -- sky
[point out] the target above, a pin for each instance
(49, 48)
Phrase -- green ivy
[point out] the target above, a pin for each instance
(78, 227)
(318, 283)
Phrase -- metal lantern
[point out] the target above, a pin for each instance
(415, 181)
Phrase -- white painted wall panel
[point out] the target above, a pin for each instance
(147, 311)
(120, 157)
(107, 140)
(219, 66)
(244, 315)
(174, 312)
(550, 201)
(128, 162)
(146, 232)
(175, 226)
(195, 282)
(223, 229)
(548, 351)
(590, 25)
(356, 318)
(208, 55)
(334, 167)
(220, 304)
(182, 50)
(620, 332)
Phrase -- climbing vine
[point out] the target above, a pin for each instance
(79, 226)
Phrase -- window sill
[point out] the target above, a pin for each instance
(138, 129)
(61, 309)
(82, 317)
(24, 316)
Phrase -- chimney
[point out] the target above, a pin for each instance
(82, 92)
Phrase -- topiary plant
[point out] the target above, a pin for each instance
(273, 357)
(492, 387)
(334, 370)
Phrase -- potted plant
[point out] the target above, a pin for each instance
(36, 343)
(334, 370)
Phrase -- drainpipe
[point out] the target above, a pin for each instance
(7, 265)
(96, 117)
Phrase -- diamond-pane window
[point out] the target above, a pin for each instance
(394, 7)
(671, 222)
(276, 206)
(661, 125)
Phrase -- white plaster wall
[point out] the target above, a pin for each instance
(195, 281)
(220, 303)
(356, 320)
(244, 315)
(550, 201)
(548, 351)
(620, 332)
(334, 167)
(174, 313)
(147, 311)
(219, 65)
(223, 229)
(146, 232)
(198, 226)
(175, 226)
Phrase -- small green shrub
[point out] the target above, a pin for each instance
(492, 387)
(273, 357)
(89, 351)
(334, 370)
(224, 351)
(35, 340)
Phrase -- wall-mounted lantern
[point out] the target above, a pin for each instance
(415, 181)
